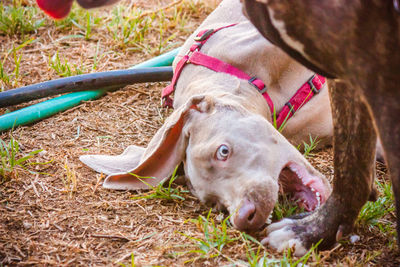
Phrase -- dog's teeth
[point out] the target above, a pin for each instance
(269, 219)
(312, 189)
(318, 194)
(318, 200)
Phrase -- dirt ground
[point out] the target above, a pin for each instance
(61, 216)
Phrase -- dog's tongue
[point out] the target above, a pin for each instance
(57, 9)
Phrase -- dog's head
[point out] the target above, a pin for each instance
(59, 9)
(232, 158)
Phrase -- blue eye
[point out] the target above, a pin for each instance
(222, 152)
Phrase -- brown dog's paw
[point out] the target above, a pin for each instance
(302, 234)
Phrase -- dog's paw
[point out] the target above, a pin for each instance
(325, 227)
(281, 237)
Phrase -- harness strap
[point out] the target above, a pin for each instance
(217, 65)
(166, 100)
(300, 98)
(198, 58)
(201, 38)
(194, 56)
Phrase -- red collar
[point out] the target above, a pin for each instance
(194, 56)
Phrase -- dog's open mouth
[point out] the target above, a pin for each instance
(306, 189)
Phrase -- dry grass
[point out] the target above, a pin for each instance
(64, 217)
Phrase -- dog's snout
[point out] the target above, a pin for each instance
(249, 217)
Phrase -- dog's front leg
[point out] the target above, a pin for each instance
(354, 145)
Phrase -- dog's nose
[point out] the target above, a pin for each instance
(248, 217)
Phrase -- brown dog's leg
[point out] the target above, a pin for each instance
(383, 98)
(354, 145)
(354, 151)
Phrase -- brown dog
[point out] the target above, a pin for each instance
(356, 42)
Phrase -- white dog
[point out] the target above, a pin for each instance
(222, 128)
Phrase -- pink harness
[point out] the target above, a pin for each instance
(194, 56)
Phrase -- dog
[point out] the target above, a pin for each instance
(222, 129)
(334, 38)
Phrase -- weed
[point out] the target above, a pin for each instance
(64, 69)
(161, 192)
(308, 148)
(129, 28)
(256, 259)
(69, 181)
(88, 23)
(372, 213)
(163, 43)
(81, 19)
(18, 19)
(132, 263)
(254, 256)
(4, 76)
(214, 240)
(12, 78)
(11, 160)
(285, 208)
(283, 125)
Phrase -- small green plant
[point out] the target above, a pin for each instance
(161, 192)
(4, 76)
(69, 181)
(132, 263)
(163, 43)
(254, 256)
(129, 28)
(81, 19)
(19, 19)
(308, 148)
(88, 23)
(214, 240)
(283, 125)
(285, 208)
(257, 259)
(12, 78)
(373, 212)
(288, 259)
(12, 161)
(64, 69)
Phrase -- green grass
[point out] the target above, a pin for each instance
(16, 54)
(17, 19)
(64, 69)
(215, 238)
(12, 160)
(257, 256)
(372, 213)
(86, 25)
(81, 19)
(307, 148)
(161, 192)
(131, 264)
(285, 208)
(127, 27)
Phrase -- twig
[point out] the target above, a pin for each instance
(34, 189)
(123, 257)
(330, 252)
(19, 251)
(144, 14)
(111, 236)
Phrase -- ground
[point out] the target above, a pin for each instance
(57, 214)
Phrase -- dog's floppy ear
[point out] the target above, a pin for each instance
(164, 152)
(114, 164)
